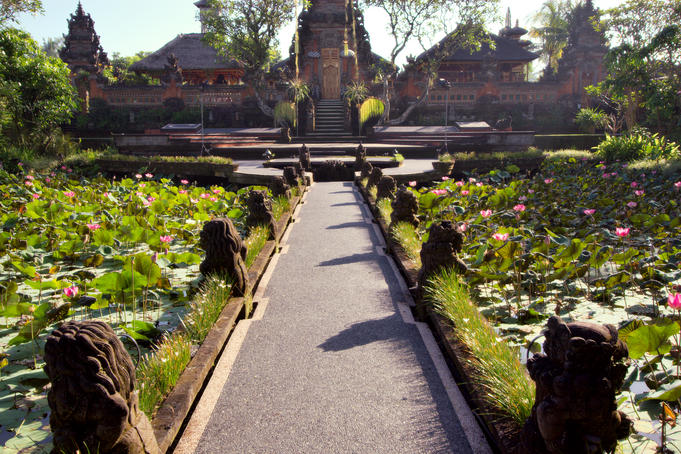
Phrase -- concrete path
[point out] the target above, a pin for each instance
(332, 361)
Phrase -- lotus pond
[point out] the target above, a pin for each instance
(586, 241)
(125, 252)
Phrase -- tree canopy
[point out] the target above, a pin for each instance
(10, 8)
(552, 23)
(35, 89)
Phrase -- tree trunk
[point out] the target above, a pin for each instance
(402, 118)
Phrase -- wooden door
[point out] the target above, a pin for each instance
(330, 73)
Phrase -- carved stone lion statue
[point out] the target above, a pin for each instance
(367, 168)
(405, 207)
(280, 188)
(360, 157)
(260, 212)
(445, 241)
(93, 402)
(386, 188)
(225, 253)
(375, 177)
(577, 377)
(304, 157)
(290, 176)
(300, 171)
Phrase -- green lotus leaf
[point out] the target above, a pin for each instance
(651, 338)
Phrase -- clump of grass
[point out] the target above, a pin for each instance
(567, 154)
(158, 372)
(408, 237)
(373, 191)
(397, 157)
(280, 205)
(530, 153)
(205, 159)
(506, 386)
(257, 237)
(206, 306)
(666, 167)
(445, 157)
(363, 182)
(385, 209)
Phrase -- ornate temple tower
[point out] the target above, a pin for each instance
(82, 51)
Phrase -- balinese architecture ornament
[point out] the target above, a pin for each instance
(279, 188)
(445, 241)
(305, 160)
(386, 188)
(260, 212)
(360, 157)
(577, 377)
(367, 168)
(300, 171)
(93, 401)
(291, 176)
(405, 208)
(334, 170)
(375, 177)
(225, 253)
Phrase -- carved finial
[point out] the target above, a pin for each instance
(508, 17)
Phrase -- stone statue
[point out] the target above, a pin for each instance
(225, 253)
(360, 157)
(367, 168)
(386, 188)
(300, 171)
(375, 177)
(290, 176)
(577, 377)
(445, 241)
(405, 208)
(260, 212)
(280, 188)
(93, 401)
(305, 161)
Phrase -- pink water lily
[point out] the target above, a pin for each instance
(216, 191)
(634, 184)
(677, 185)
(464, 192)
(412, 183)
(29, 177)
(445, 178)
(193, 200)
(184, 181)
(520, 207)
(71, 292)
(139, 194)
(459, 183)
(632, 204)
(182, 191)
(472, 180)
(166, 239)
(486, 213)
(500, 236)
(151, 199)
(93, 227)
(463, 227)
(622, 232)
(522, 198)
(138, 176)
(439, 191)
(639, 193)
(69, 193)
(47, 179)
(28, 183)
(205, 195)
(530, 191)
(589, 211)
(548, 180)
(143, 185)
(674, 300)
(35, 196)
(213, 199)
(149, 175)
(479, 184)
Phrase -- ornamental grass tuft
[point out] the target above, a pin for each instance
(408, 237)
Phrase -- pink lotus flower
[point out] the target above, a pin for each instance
(445, 178)
(479, 184)
(632, 204)
(20, 164)
(149, 175)
(143, 185)
(606, 175)
(151, 199)
(213, 199)
(463, 227)
(589, 211)
(146, 203)
(500, 236)
(464, 192)
(184, 181)
(69, 193)
(106, 194)
(677, 185)
(520, 207)
(412, 183)
(634, 184)
(216, 191)
(29, 177)
(459, 183)
(182, 191)
(548, 180)
(35, 196)
(439, 191)
(93, 227)
(47, 179)
(139, 193)
(166, 239)
(530, 191)
(486, 213)
(205, 196)
(522, 198)
(639, 193)
(472, 180)
(193, 200)
(63, 167)
(674, 300)
(138, 176)
(69, 170)
(28, 183)
(71, 292)
(622, 232)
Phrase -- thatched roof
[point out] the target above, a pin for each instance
(191, 52)
(506, 49)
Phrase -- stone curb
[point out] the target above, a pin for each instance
(176, 407)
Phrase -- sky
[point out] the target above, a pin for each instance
(130, 26)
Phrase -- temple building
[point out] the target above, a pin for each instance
(334, 50)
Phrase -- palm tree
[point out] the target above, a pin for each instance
(552, 22)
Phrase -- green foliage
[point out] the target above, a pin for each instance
(35, 90)
(552, 22)
(370, 112)
(285, 112)
(206, 307)
(10, 8)
(355, 93)
(408, 237)
(507, 387)
(257, 237)
(632, 147)
(118, 72)
(590, 119)
(384, 209)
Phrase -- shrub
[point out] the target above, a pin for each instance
(589, 120)
(633, 147)
(370, 112)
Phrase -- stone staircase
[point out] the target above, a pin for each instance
(329, 119)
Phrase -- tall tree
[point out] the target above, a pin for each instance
(51, 46)
(246, 30)
(10, 8)
(552, 24)
(35, 89)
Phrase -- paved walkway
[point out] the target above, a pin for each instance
(332, 361)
